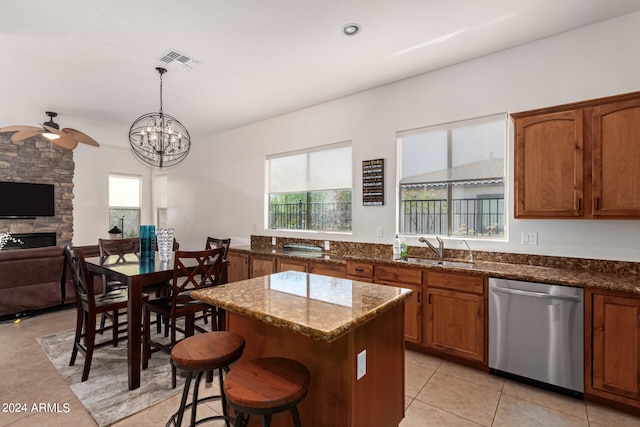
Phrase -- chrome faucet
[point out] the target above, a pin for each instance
(470, 252)
(439, 250)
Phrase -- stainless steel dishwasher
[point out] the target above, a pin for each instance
(536, 334)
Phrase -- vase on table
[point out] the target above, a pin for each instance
(165, 244)
(147, 242)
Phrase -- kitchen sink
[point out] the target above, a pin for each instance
(435, 262)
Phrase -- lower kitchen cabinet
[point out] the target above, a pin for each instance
(286, 264)
(408, 278)
(455, 315)
(326, 269)
(262, 265)
(238, 267)
(362, 271)
(612, 363)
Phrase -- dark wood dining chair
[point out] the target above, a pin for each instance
(216, 312)
(207, 265)
(89, 305)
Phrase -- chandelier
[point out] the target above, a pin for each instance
(159, 139)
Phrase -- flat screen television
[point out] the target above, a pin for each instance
(26, 200)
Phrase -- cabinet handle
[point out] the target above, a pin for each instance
(429, 299)
(580, 204)
(419, 296)
(359, 270)
(597, 203)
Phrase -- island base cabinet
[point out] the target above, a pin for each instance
(336, 396)
(614, 371)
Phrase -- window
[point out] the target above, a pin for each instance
(124, 204)
(452, 178)
(310, 189)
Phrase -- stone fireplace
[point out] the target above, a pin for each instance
(36, 160)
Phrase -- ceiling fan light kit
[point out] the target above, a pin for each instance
(66, 138)
(159, 139)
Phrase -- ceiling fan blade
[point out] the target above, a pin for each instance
(80, 136)
(18, 128)
(65, 142)
(24, 134)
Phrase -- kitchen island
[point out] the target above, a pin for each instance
(349, 334)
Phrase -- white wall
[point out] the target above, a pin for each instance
(91, 190)
(219, 189)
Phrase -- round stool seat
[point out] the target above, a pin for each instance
(267, 383)
(208, 351)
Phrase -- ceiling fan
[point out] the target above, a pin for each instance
(66, 138)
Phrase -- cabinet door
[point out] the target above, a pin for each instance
(549, 165)
(412, 312)
(455, 323)
(262, 266)
(286, 264)
(238, 267)
(616, 345)
(332, 270)
(616, 159)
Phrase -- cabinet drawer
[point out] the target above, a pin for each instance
(360, 269)
(460, 282)
(395, 274)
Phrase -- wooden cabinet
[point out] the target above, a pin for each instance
(238, 266)
(408, 278)
(285, 264)
(616, 159)
(327, 269)
(612, 363)
(579, 160)
(548, 165)
(262, 265)
(455, 315)
(362, 271)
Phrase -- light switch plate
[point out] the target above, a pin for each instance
(327, 245)
(379, 232)
(362, 364)
(273, 240)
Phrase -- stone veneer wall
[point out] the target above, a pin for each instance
(373, 250)
(37, 161)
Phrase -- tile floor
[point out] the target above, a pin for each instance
(438, 393)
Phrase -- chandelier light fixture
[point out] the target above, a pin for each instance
(159, 139)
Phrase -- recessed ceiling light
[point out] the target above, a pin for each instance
(351, 29)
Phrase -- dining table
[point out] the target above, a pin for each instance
(136, 273)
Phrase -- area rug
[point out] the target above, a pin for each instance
(106, 394)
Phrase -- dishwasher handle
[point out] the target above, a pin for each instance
(536, 294)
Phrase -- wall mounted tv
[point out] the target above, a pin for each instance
(25, 200)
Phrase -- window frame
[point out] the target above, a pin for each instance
(309, 192)
(449, 184)
(135, 230)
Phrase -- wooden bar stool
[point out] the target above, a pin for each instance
(204, 353)
(265, 387)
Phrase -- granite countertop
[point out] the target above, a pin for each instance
(319, 307)
(568, 276)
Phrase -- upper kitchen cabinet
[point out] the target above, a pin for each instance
(616, 159)
(579, 160)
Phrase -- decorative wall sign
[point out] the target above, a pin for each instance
(373, 182)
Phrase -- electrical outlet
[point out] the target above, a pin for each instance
(362, 364)
(327, 245)
(379, 232)
(529, 238)
(273, 240)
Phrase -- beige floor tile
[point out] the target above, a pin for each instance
(457, 396)
(424, 360)
(415, 377)
(545, 398)
(513, 411)
(475, 376)
(421, 414)
(610, 417)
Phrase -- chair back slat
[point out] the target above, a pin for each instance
(187, 277)
(213, 242)
(119, 247)
(82, 277)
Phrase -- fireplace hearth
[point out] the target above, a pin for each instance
(31, 240)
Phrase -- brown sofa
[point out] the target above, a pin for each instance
(36, 278)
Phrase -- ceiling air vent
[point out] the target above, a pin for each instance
(179, 60)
